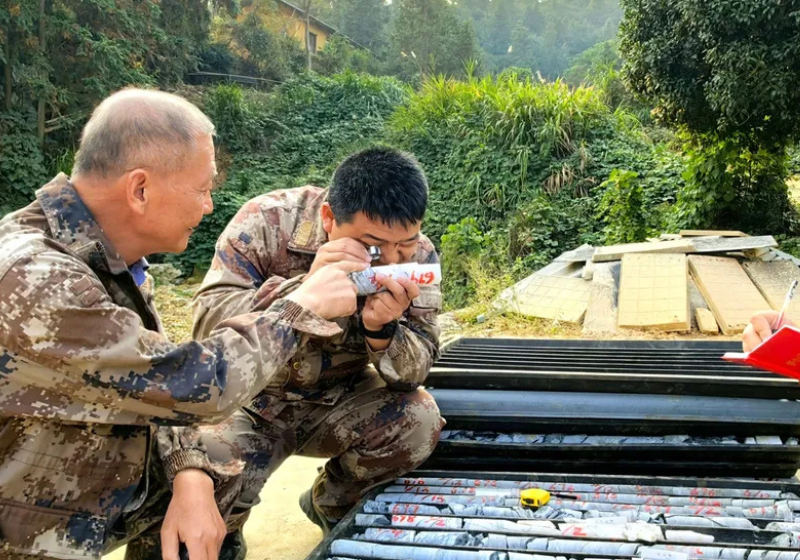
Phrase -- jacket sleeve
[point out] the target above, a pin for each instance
(405, 363)
(87, 359)
(238, 280)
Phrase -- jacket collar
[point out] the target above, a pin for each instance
(73, 225)
(309, 235)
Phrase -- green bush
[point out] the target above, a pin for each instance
(490, 146)
(731, 184)
(794, 160)
(22, 164)
(622, 208)
(462, 245)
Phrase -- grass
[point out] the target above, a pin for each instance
(518, 326)
(174, 304)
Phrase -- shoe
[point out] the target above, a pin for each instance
(314, 514)
(234, 547)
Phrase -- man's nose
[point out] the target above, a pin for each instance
(390, 255)
(208, 205)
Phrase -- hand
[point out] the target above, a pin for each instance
(385, 307)
(329, 293)
(192, 518)
(761, 327)
(341, 250)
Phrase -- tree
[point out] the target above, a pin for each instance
(60, 57)
(307, 17)
(428, 37)
(727, 73)
(262, 52)
(364, 21)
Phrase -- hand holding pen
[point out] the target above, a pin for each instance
(764, 324)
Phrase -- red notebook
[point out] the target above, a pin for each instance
(780, 353)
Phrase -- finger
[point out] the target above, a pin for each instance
(349, 266)
(394, 288)
(213, 549)
(169, 543)
(385, 312)
(770, 316)
(340, 256)
(411, 287)
(750, 339)
(197, 549)
(762, 327)
(352, 247)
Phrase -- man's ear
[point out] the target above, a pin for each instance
(137, 190)
(327, 217)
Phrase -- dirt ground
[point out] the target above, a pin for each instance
(277, 528)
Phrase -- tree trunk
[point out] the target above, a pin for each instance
(7, 70)
(308, 32)
(43, 48)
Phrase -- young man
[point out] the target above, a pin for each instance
(86, 372)
(353, 395)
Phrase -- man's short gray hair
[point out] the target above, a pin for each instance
(140, 128)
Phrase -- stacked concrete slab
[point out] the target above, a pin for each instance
(697, 279)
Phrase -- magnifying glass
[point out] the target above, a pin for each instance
(374, 253)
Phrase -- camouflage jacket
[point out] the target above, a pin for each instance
(86, 372)
(261, 256)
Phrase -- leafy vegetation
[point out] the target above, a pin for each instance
(538, 128)
(727, 74)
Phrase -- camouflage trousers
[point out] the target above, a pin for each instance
(372, 434)
(140, 528)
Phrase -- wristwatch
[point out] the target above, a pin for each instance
(385, 333)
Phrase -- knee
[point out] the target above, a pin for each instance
(426, 423)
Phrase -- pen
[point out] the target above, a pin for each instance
(789, 297)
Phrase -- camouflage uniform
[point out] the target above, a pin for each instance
(85, 374)
(335, 397)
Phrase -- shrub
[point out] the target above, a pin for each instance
(22, 164)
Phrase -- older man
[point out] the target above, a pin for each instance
(85, 369)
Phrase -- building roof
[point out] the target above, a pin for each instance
(319, 23)
(301, 11)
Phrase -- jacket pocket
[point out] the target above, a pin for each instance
(305, 368)
(57, 533)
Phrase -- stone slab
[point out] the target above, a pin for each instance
(557, 298)
(705, 321)
(729, 244)
(654, 292)
(773, 280)
(616, 252)
(781, 256)
(581, 254)
(757, 253)
(696, 301)
(601, 313)
(560, 268)
(588, 270)
(728, 290)
(711, 232)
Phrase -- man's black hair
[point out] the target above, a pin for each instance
(383, 183)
